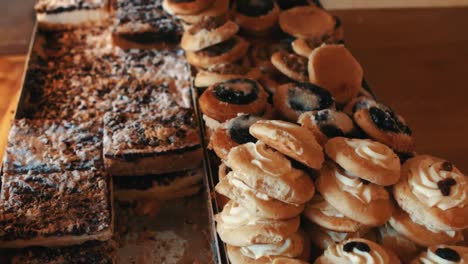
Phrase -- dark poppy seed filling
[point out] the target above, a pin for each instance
(387, 120)
(350, 246)
(308, 97)
(254, 8)
(445, 185)
(447, 166)
(237, 91)
(331, 131)
(287, 4)
(219, 49)
(448, 254)
(239, 129)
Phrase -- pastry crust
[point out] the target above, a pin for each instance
(292, 22)
(219, 9)
(223, 101)
(206, 33)
(257, 25)
(291, 140)
(175, 7)
(344, 81)
(291, 65)
(224, 72)
(228, 51)
(432, 255)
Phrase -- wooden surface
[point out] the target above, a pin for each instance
(415, 60)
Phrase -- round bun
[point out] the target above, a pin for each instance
(291, 65)
(393, 241)
(292, 22)
(219, 8)
(174, 7)
(225, 72)
(443, 254)
(208, 32)
(256, 17)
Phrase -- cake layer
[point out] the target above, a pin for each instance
(55, 209)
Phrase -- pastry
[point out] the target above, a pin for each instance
(443, 254)
(269, 172)
(321, 213)
(56, 209)
(365, 158)
(219, 8)
(357, 199)
(344, 81)
(142, 143)
(434, 192)
(383, 124)
(261, 54)
(223, 101)
(139, 24)
(290, 139)
(323, 238)
(232, 133)
(288, 4)
(293, 99)
(90, 252)
(207, 32)
(327, 124)
(224, 72)
(237, 227)
(291, 65)
(390, 239)
(59, 15)
(292, 22)
(158, 187)
(357, 250)
(228, 51)
(186, 7)
(256, 17)
(420, 234)
(46, 146)
(256, 203)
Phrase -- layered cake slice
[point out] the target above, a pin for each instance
(55, 209)
(47, 146)
(153, 142)
(65, 14)
(90, 252)
(142, 24)
(159, 187)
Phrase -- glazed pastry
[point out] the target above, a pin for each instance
(218, 9)
(237, 227)
(207, 32)
(291, 65)
(228, 51)
(357, 199)
(420, 234)
(186, 7)
(293, 99)
(434, 192)
(327, 123)
(256, 17)
(225, 72)
(344, 81)
(321, 213)
(269, 172)
(390, 239)
(383, 124)
(443, 254)
(292, 22)
(232, 133)
(357, 250)
(223, 101)
(365, 158)
(290, 139)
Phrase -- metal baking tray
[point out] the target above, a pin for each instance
(182, 231)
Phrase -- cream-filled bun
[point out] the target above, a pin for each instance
(270, 172)
(434, 192)
(393, 241)
(290, 139)
(365, 158)
(237, 227)
(443, 254)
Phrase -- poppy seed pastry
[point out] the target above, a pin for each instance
(256, 17)
(218, 9)
(224, 72)
(291, 65)
(294, 99)
(344, 81)
(186, 7)
(434, 192)
(56, 209)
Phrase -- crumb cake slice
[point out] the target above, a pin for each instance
(143, 23)
(55, 209)
(46, 146)
(94, 252)
(144, 143)
(65, 14)
(159, 187)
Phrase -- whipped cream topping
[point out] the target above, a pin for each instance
(241, 185)
(366, 193)
(235, 215)
(376, 255)
(431, 257)
(324, 207)
(424, 177)
(375, 152)
(261, 250)
(283, 134)
(450, 233)
(268, 159)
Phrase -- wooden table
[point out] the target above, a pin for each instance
(415, 59)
